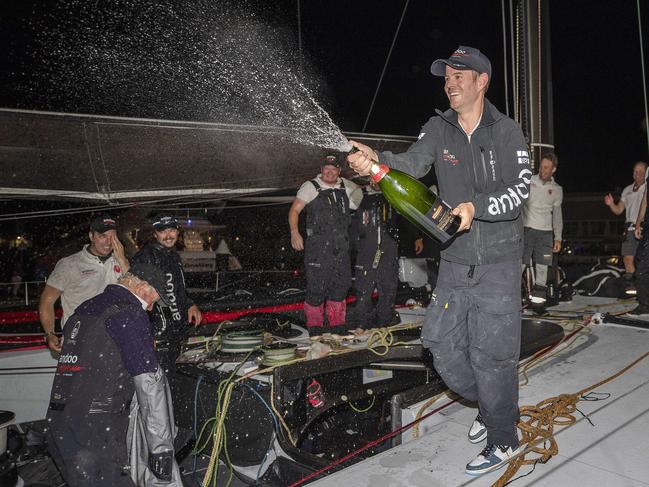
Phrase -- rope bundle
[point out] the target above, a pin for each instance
(538, 428)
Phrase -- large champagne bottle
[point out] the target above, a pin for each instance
(415, 201)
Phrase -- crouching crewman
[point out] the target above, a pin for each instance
(110, 415)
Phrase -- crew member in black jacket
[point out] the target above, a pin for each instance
(376, 264)
(473, 323)
(170, 323)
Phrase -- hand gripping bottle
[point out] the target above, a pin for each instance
(415, 201)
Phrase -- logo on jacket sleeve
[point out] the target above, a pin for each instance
(450, 158)
(421, 135)
(514, 196)
(523, 156)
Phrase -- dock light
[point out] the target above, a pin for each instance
(613, 260)
(189, 221)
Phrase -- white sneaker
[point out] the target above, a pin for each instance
(492, 457)
(478, 430)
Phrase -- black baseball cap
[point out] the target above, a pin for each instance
(331, 160)
(154, 276)
(464, 57)
(102, 223)
(164, 221)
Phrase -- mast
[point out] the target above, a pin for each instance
(533, 71)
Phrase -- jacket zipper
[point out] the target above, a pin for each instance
(476, 228)
(484, 167)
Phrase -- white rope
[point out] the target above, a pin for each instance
(385, 65)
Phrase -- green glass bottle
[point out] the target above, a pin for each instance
(415, 201)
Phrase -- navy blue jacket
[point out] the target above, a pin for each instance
(107, 342)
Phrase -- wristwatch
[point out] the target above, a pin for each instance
(49, 333)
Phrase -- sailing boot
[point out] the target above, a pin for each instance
(336, 314)
(314, 318)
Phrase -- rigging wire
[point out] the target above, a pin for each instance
(299, 36)
(504, 15)
(115, 206)
(644, 79)
(201, 208)
(385, 65)
(206, 185)
(513, 35)
(539, 78)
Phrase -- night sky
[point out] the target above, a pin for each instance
(597, 84)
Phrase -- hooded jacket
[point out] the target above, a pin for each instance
(491, 169)
(168, 321)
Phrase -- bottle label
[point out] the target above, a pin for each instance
(440, 214)
(378, 171)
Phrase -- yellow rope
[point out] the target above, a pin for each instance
(426, 405)
(217, 346)
(279, 416)
(272, 392)
(218, 437)
(381, 339)
(362, 410)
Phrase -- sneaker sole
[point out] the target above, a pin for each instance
(480, 438)
(476, 473)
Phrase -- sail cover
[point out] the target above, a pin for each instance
(59, 155)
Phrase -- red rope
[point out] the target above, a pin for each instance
(369, 445)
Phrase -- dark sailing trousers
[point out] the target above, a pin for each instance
(328, 270)
(90, 451)
(641, 275)
(473, 330)
(167, 352)
(385, 278)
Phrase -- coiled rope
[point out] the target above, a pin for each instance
(381, 339)
(537, 425)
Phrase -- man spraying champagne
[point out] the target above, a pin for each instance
(473, 322)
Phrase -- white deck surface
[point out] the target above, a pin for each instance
(26, 378)
(613, 452)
